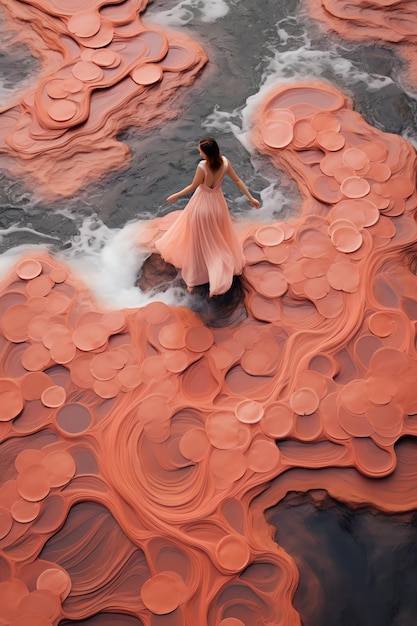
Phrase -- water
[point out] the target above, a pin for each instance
(251, 46)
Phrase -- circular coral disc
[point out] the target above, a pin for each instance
(54, 396)
(249, 411)
(62, 110)
(304, 401)
(84, 24)
(233, 553)
(277, 134)
(54, 580)
(24, 511)
(355, 187)
(11, 400)
(194, 444)
(199, 338)
(161, 594)
(73, 418)
(269, 235)
(147, 74)
(29, 268)
(6, 522)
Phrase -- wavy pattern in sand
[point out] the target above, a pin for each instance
(103, 71)
(141, 448)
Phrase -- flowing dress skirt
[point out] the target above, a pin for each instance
(202, 242)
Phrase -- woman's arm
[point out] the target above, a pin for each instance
(241, 185)
(197, 180)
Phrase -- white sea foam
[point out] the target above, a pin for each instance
(108, 262)
(187, 10)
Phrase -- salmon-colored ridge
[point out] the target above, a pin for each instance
(134, 426)
(62, 131)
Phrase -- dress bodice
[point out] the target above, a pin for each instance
(204, 167)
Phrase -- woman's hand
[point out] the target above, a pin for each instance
(255, 203)
(172, 198)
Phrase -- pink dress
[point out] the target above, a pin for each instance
(202, 241)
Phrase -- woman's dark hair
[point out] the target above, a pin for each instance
(210, 148)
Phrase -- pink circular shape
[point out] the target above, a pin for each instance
(105, 57)
(229, 465)
(15, 321)
(199, 338)
(55, 580)
(176, 361)
(161, 594)
(249, 411)
(59, 467)
(269, 235)
(156, 312)
(114, 321)
(232, 553)
(11, 400)
(264, 309)
(39, 603)
(379, 172)
(346, 239)
(24, 511)
(72, 85)
(32, 484)
(62, 110)
(63, 351)
(381, 324)
(278, 420)
(28, 269)
(355, 158)
(231, 621)
(304, 134)
(330, 140)
(194, 444)
(28, 457)
(280, 115)
(277, 134)
(325, 120)
(73, 418)
(39, 286)
(172, 336)
(6, 522)
(304, 401)
(34, 384)
(262, 456)
(87, 71)
(344, 276)
(35, 358)
(101, 367)
(130, 377)
(177, 59)
(84, 24)
(55, 89)
(147, 74)
(54, 396)
(355, 187)
(107, 389)
(222, 430)
(90, 336)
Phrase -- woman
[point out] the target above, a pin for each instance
(202, 241)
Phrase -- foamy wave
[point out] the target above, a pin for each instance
(188, 10)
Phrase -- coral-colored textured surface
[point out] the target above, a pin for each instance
(393, 22)
(141, 448)
(103, 71)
